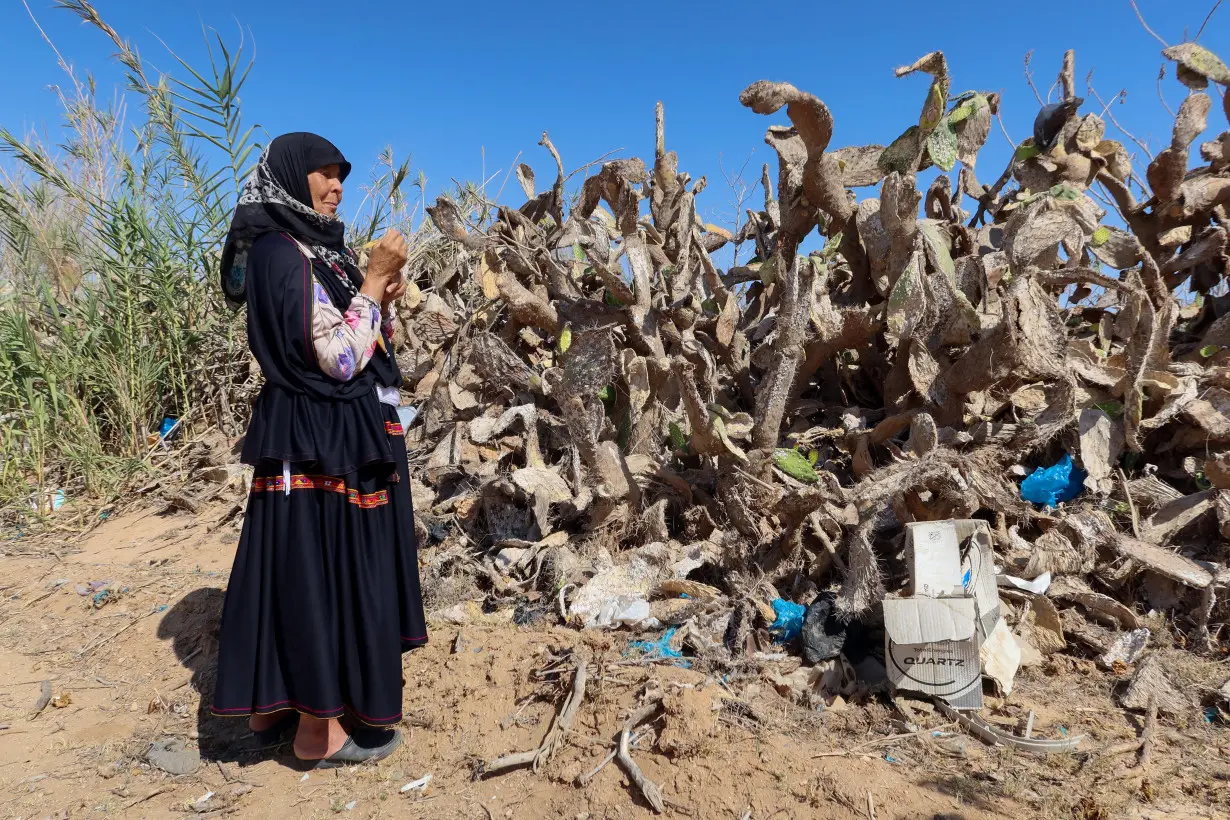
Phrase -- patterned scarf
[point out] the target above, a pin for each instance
(276, 198)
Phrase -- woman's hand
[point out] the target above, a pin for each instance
(394, 290)
(384, 265)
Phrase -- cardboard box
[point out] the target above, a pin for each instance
(978, 571)
(933, 635)
(931, 647)
(933, 554)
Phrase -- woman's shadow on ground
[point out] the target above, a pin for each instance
(192, 627)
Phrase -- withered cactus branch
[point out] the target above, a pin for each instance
(817, 403)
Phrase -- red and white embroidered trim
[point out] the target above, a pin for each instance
(330, 484)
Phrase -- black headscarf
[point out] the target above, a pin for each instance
(276, 199)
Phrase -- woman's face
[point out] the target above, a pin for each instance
(326, 189)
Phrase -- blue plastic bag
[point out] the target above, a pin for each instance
(661, 648)
(789, 621)
(169, 428)
(1053, 485)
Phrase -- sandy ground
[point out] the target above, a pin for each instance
(130, 672)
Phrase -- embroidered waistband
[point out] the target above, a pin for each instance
(277, 484)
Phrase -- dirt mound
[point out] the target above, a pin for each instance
(137, 671)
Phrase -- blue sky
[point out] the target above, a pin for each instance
(465, 86)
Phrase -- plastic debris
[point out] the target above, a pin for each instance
(661, 648)
(419, 785)
(789, 621)
(169, 429)
(350, 806)
(626, 611)
(1037, 586)
(824, 634)
(1053, 485)
(997, 737)
(617, 595)
(107, 595)
(406, 414)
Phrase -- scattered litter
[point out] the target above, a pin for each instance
(789, 621)
(91, 587)
(203, 799)
(819, 686)
(617, 595)
(62, 700)
(1037, 586)
(824, 634)
(350, 806)
(1126, 649)
(932, 637)
(169, 429)
(419, 785)
(174, 756)
(304, 778)
(406, 414)
(1001, 657)
(1054, 485)
(633, 612)
(661, 648)
(107, 595)
(995, 737)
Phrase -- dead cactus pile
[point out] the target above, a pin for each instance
(591, 383)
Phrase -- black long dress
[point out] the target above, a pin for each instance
(324, 594)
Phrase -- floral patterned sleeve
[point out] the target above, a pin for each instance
(344, 342)
(386, 321)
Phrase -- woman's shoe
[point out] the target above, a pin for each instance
(366, 746)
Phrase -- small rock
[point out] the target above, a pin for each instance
(174, 756)
(823, 634)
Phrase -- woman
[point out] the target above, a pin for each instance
(324, 594)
